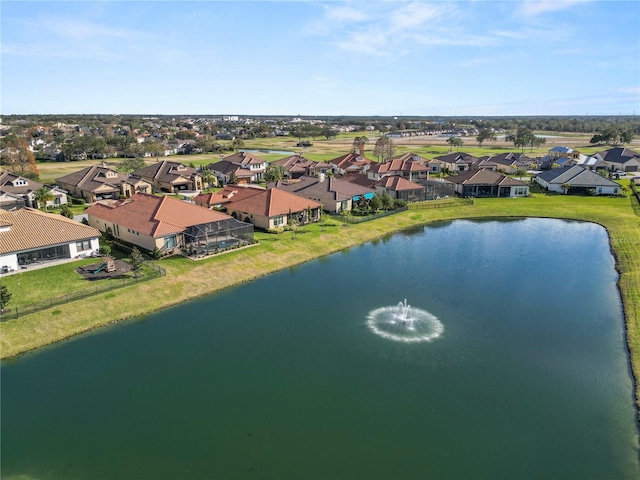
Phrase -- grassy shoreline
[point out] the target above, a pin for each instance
(188, 280)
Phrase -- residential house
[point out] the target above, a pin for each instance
(296, 166)
(400, 188)
(17, 191)
(249, 161)
(28, 235)
(244, 166)
(458, 162)
(188, 147)
(409, 166)
(101, 183)
(273, 208)
(576, 179)
(167, 224)
(220, 198)
(508, 162)
(620, 159)
(560, 156)
(487, 183)
(227, 171)
(170, 177)
(350, 163)
(335, 194)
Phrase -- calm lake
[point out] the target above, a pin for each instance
(508, 361)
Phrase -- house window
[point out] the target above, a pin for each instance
(344, 205)
(83, 245)
(170, 242)
(277, 221)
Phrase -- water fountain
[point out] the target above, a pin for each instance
(403, 323)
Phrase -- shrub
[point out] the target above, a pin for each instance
(105, 249)
(65, 211)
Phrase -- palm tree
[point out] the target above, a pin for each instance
(209, 178)
(565, 188)
(42, 196)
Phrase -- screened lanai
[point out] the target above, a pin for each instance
(214, 237)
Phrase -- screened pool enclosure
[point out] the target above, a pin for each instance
(214, 237)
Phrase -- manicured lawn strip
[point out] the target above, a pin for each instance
(34, 286)
(187, 280)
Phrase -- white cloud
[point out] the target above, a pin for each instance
(460, 40)
(632, 90)
(370, 42)
(538, 7)
(83, 30)
(416, 14)
(345, 14)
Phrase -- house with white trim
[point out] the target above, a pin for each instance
(29, 236)
(576, 179)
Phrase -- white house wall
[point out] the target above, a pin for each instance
(9, 260)
(75, 253)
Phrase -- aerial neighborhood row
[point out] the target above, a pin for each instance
(169, 207)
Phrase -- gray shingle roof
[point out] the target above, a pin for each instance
(576, 176)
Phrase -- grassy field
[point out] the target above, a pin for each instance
(187, 279)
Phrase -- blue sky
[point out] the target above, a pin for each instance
(558, 57)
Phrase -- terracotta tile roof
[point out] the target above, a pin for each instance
(397, 183)
(225, 195)
(154, 216)
(31, 229)
(349, 160)
(273, 202)
(399, 165)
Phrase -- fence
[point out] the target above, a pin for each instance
(151, 272)
(455, 202)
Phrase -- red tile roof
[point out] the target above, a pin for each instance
(397, 183)
(273, 202)
(154, 216)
